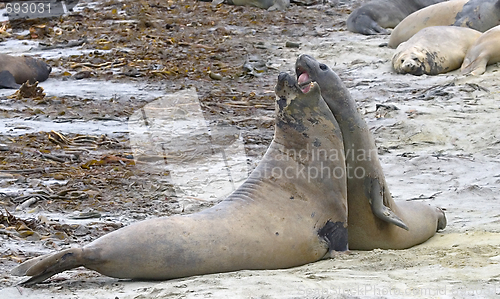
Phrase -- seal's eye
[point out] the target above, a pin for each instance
(323, 67)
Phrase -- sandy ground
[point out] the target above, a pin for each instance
(439, 147)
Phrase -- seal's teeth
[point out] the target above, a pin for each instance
(307, 87)
(301, 85)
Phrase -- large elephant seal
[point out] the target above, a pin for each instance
(374, 16)
(375, 220)
(292, 210)
(434, 50)
(484, 51)
(480, 15)
(15, 71)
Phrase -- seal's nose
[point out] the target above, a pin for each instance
(282, 76)
(285, 78)
(304, 56)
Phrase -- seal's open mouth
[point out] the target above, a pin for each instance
(304, 81)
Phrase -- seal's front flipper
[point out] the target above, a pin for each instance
(376, 194)
(8, 81)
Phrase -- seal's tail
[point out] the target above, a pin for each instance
(45, 266)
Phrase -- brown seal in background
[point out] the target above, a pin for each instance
(15, 71)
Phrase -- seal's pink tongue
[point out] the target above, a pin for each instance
(304, 77)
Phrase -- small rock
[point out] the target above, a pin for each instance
(82, 75)
(81, 230)
(214, 76)
(292, 45)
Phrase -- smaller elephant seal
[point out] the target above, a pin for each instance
(480, 15)
(292, 210)
(374, 16)
(375, 219)
(434, 50)
(265, 4)
(15, 71)
(484, 51)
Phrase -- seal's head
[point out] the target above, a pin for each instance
(300, 111)
(290, 95)
(410, 61)
(309, 70)
(333, 90)
(41, 70)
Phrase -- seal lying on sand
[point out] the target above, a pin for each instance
(374, 16)
(375, 220)
(15, 71)
(434, 50)
(484, 51)
(292, 210)
(265, 4)
(480, 15)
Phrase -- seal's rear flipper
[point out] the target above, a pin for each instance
(364, 24)
(441, 219)
(8, 81)
(475, 68)
(43, 267)
(376, 194)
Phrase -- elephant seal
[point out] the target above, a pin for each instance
(374, 16)
(434, 50)
(375, 220)
(480, 15)
(292, 210)
(484, 51)
(265, 4)
(15, 71)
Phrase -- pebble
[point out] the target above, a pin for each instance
(292, 45)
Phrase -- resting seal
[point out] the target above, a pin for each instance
(484, 51)
(265, 4)
(375, 220)
(374, 16)
(15, 71)
(434, 50)
(292, 210)
(480, 15)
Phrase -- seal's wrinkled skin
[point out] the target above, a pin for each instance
(434, 50)
(375, 220)
(15, 71)
(376, 15)
(285, 214)
(480, 15)
(484, 51)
